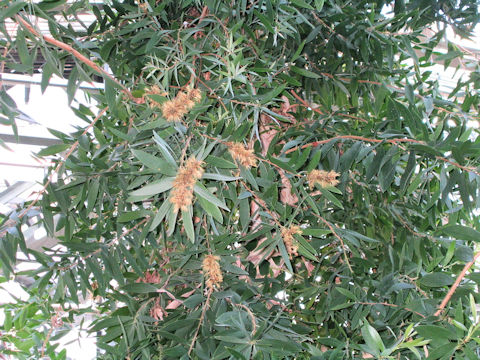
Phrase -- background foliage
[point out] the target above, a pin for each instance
(306, 84)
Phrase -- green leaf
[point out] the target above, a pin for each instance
(444, 351)
(161, 213)
(372, 338)
(341, 306)
(319, 4)
(156, 187)
(302, 4)
(155, 163)
(13, 9)
(49, 5)
(120, 134)
(53, 149)
(201, 191)
(305, 72)
(165, 149)
(132, 215)
(272, 94)
(139, 288)
(110, 94)
(264, 21)
(188, 224)
(220, 162)
(462, 232)
(92, 195)
(435, 332)
(219, 177)
(436, 279)
(331, 197)
(346, 293)
(211, 209)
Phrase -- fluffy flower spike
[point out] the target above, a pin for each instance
(181, 195)
(323, 178)
(174, 110)
(212, 271)
(242, 155)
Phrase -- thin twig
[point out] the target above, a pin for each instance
(466, 168)
(339, 238)
(250, 313)
(305, 104)
(185, 148)
(355, 137)
(200, 321)
(391, 305)
(460, 277)
(44, 345)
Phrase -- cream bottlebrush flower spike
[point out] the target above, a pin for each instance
(212, 271)
(181, 195)
(174, 110)
(242, 155)
(323, 178)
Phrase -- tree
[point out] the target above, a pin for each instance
(262, 180)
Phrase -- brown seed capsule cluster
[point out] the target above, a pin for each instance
(289, 241)
(212, 271)
(241, 155)
(181, 195)
(175, 109)
(323, 178)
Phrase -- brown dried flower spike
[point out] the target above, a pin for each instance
(242, 155)
(287, 235)
(323, 178)
(181, 195)
(212, 271)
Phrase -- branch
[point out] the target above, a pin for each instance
(305, 104)
(355, 137)
(75, 53)
(460, 277)
(390, 141)
(200, 321)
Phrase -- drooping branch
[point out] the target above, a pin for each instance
(74, 53)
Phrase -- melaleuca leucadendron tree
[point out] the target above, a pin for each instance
(262, 180)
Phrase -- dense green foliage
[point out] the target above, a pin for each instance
(310, 271)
